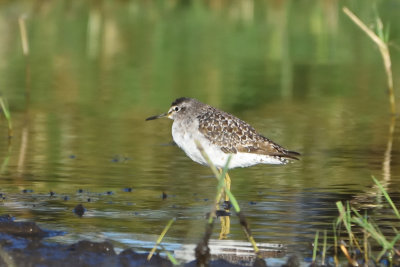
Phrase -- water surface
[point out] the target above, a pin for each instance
(95, 72)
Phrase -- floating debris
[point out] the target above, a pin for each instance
(119, 158)
(27, 191)
(79, 210)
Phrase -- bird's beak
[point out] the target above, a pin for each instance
(157, 117)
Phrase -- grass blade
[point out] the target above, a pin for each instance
(388, 199)
(315, 248)
(335, 243)
(324, 248)
(161, 237)
(172, 259)
(345, 217)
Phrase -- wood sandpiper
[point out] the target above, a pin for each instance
(221, 134)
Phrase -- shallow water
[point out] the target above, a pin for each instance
(81, 132)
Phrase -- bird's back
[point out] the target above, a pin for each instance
(235, 136)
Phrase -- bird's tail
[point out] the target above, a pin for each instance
(291, 154)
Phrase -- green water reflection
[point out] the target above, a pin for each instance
(300, 72)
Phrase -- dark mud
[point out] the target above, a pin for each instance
(24, 244)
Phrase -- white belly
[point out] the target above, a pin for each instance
(186, 141)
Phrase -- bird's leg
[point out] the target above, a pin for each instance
(221, 192)
(225, 220)
(225, 227)
(227, 185)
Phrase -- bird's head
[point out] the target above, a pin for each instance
(177, 110)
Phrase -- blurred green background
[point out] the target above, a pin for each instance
(239, 54)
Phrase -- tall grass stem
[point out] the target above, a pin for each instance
(383, 48)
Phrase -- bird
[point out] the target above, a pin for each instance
(221, 134)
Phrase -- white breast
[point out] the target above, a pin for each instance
(184, 135)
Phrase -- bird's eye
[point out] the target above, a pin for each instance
(176, 108)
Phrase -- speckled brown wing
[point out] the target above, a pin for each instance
(264, 146)
(234, 135)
